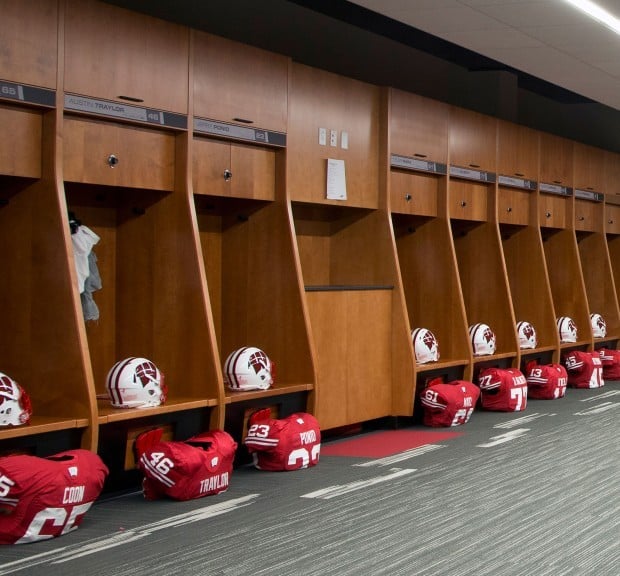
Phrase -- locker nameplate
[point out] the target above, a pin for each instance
(124, 111)
(398, 161)
(555, 189)
(517, 182)
(588, 195)
(28, 94)
(235, 132)
(469, 174)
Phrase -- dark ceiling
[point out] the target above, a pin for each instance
(345, 38)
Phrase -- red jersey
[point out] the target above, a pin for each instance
(611, 363)
(197, 467)
(289, 443)
(585, 369)
(547, 381)
(449, 404)
(42, 498)
(503, 389)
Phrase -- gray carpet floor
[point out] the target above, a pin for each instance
(533, 493)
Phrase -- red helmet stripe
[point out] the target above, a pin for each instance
(231, 367)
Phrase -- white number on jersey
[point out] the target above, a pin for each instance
(461, 416)
(5, 485)
(259, 430)
(58, 517)
(305, 456)
(520, 394)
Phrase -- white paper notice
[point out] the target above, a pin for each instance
(336, 181)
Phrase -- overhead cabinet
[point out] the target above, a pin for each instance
(28, 45)
(124, 56)
(239, 84)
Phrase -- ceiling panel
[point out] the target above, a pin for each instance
(549, 39)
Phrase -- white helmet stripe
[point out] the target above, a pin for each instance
(114, 379)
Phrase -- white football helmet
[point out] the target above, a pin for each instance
(482, 339)
(248, 368)
(599, 326)
(567, 329)
(527, 335)
(15, 407)
(425, 345)
(135, 383)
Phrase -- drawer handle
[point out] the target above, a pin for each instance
(610, 221)
(463, 203)
(112, 160)
(408, 197)
(509, 209)
(548, 214)
(227, 175)
(582, 218)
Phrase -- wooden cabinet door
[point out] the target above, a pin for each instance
(612, 173)
(468, 201)
(473, 139)
(513, 206)
(20, 142)
(413, 193)
(418, 126)
(612, 219)
(237, 83)
(114, 155)
(368, 359)
(253, 172)
(517, 151)
(556, 160)
(352, 331)
(233, 170)
(589, 165)
(121, 55)
(210, 163)
(588, 215)
(553, 211)
(29, 42)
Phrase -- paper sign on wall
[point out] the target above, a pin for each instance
(336, 180)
